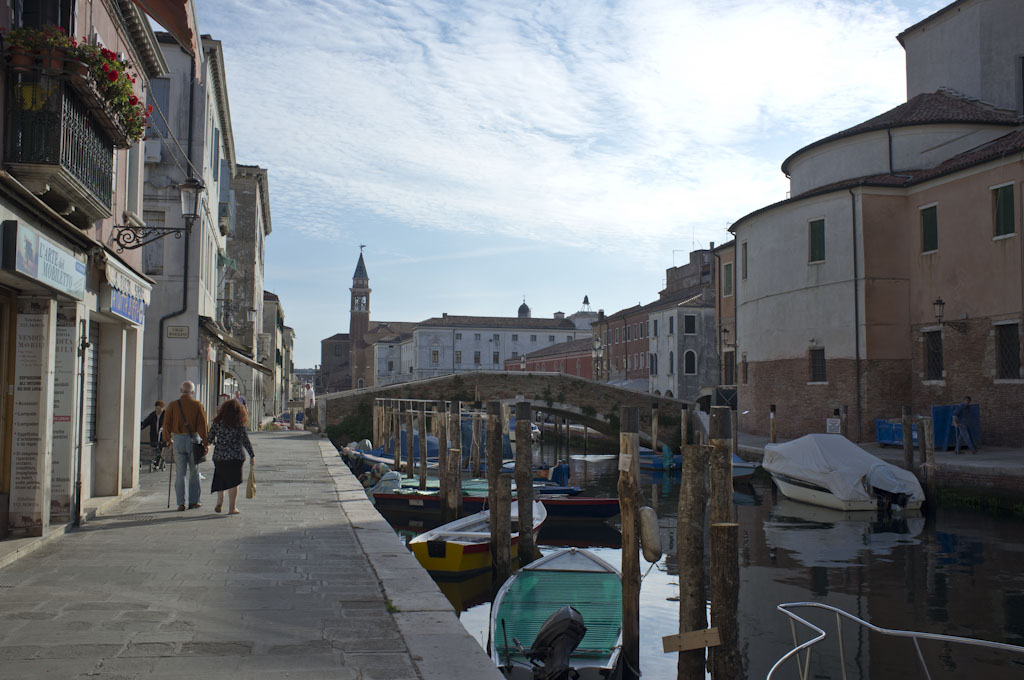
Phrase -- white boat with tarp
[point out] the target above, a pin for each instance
(567, 606)
(832, 471)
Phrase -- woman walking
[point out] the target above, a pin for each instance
(230, 437)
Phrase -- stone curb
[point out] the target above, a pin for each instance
(440, 646)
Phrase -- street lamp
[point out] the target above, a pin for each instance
(132, 236)
(939, 307)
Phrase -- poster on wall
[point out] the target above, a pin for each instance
(63, 416)
(26, 469)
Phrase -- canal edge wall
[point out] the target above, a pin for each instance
(439, 644)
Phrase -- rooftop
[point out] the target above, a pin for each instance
(450, 321)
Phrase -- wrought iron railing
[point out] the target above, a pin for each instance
(48, 124)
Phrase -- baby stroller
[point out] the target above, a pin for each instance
(157, 463)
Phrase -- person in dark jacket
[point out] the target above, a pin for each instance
(155, 422)
(230, 437)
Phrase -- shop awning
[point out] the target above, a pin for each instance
(247, 361)
(178, 17)
(123, 279)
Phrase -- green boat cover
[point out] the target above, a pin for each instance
(536, 595)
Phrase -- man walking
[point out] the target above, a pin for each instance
(309, 406)
(961, 418)
(182, 419)
(155, 422)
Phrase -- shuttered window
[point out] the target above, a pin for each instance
(1008, 343)
(1002, 199)
(933, 355)
(816, 241)
(92, 380)
(818, 373)
(929, 229)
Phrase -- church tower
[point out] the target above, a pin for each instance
(358, 327)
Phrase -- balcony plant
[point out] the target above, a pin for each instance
(51, 42)
(114, 78)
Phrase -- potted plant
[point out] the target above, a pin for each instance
(114, 78)
(50, 43)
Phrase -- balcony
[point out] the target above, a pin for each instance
(57, 147)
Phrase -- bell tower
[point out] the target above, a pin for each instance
(359, 325)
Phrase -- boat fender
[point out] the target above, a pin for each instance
(650, 537)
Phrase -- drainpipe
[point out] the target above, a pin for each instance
(184, 279)
(83, 345)
(856, 308)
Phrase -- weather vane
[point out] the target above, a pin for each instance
(361, 246)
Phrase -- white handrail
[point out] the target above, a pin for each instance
(803, 668)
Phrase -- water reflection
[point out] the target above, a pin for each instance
(959, 573)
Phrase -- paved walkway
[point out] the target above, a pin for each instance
(308, 582)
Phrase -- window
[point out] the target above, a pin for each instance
(671, 362)
(578, 365)
(629, 363)
(458, 356)
(690, 324)
(671, 325)
(933, 367)
(568, 338)
(337, 350)
(743, 263)
(643, 361)
(636, 331)
(476, 336)
(391, 366)
(515, 355)
(647, 328)
(476, 358)
(746, 370)
(817, 358)
(496, 337)
(533, 338)
(458, 336)
(551, 338)
(616, 336)
(515, 338)
(641, 326)
(1002, 208)
(435, 356)
(655, 328)
(816, 241)
(495, 358)
(153, 253)
(629, 333)
(654, 364)
(690, 363)
(929, 229)
(1008, 350)
(726, 282)
(729, 368)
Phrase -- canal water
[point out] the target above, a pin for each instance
(961, 573)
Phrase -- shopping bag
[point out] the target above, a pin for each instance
(250, 488)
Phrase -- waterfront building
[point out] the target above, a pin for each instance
(275, 347)
(191, 138)
(574, 358)
(71, 304)
(893, 274)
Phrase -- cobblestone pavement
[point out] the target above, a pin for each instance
(287, 589)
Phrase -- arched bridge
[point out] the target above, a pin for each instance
(580, 400)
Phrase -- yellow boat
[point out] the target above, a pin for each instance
(463, 547)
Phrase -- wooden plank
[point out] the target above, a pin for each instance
(695, 639)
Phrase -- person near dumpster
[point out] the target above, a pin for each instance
(155, 421)
(183, 419)
(230, 438)
(961, 416)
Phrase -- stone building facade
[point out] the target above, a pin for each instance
(837, 289)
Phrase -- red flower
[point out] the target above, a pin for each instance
(105, 68)
(112, 76)
(134, 100)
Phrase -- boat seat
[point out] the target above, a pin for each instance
(534, 596)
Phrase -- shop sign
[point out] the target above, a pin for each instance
(63, 416)
(177, 331)
(833, 426)
(29, 253)
(131, 308)
(30, 471)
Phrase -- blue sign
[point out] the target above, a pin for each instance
(128, 307)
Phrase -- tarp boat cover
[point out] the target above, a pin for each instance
(835, 463)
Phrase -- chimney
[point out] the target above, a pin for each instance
(559, 315)
(444, 315)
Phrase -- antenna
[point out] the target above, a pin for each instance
(361, 246)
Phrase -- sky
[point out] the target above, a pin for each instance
(487, 151)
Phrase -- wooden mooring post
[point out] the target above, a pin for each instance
(908, 440)
(396, 428)
(654, 430)
(444, 479)
(771, 425)
(693, 499)
(926, 436)
(493, 450)
(724, 549)
(376, 422)
(629, 495)
(423, 446)
(410, 441)
(475, 450)
(734, 433)
(453, 467)
(524, 483)
(501, 526)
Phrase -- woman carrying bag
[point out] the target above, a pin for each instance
(230, 437)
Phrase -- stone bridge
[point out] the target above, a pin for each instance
(579, 400)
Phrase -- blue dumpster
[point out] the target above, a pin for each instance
(890, 432)
(945, 431)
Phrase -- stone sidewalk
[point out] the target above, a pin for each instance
(308, 582)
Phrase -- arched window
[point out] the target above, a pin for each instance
(360, 383)
(690, 363)
(671, 362)
(668, 393)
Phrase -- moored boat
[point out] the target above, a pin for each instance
(832, 471)
(570, 600)
(462, 547)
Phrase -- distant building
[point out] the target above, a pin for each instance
(570, 358)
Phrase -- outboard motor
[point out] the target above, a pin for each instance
(558, 638)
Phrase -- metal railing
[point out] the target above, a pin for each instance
(48, 124)
(803, 664)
